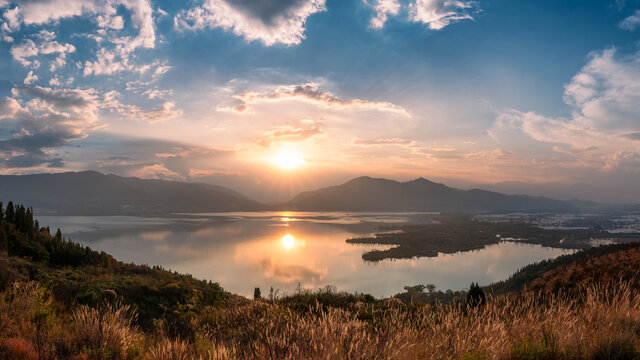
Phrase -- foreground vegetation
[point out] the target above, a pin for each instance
(604, 323)
(78, 309)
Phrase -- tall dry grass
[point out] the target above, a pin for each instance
(599, 322)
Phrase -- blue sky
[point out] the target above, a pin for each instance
(465, 92)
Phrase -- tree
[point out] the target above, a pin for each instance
(256, 294)
(475, 296)
(10, 212)
(4, 241)
(414, 290)
(431, 288)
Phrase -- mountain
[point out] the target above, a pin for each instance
(93, 193)
(564, 191)
(370, 194)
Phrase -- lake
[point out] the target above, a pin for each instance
(242, 251)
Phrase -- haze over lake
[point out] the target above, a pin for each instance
(283, 249)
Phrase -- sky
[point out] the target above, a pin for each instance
(536, 96)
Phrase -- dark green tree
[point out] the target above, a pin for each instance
(10, 212)
(475, 296)
(4, 241)
(415, 290)
(256, 294)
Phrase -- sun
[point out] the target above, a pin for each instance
(288, 159)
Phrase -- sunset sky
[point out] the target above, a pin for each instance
(463, 92)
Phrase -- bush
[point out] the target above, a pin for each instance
(616, 348)
(17, 348)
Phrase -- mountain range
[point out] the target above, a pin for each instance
(93, 193)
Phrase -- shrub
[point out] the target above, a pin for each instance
(105, 333)
(17, 348)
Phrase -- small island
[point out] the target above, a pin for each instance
(450, 233)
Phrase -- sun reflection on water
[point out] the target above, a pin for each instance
(288, 241)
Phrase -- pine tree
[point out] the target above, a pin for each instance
(10, 212)
(4, 241)
(256, 294)
(475, 296)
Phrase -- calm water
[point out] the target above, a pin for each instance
(281, 249)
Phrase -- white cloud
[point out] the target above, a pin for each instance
(600, 132)
(383, 9)
(310, 92)
(606, 92)
(30, 78)
(438, 14)
(109, 59)
(272, 22)
(632, 22)
(44, 45)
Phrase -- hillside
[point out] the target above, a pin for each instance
(369, 194)
(604, 264)
(93, 193)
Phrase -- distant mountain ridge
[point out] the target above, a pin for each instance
(93, 193)
(371, 194)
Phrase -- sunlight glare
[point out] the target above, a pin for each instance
(288, 159)
(288, 241)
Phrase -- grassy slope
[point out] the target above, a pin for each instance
(600, 264)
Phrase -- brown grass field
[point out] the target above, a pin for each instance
(603, 322)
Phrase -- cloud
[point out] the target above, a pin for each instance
(310, 92)
(632, 22)
(383, 9)
(632, 136)
(606, 92)
(163, 112)
(625, 161)
(436, 14)
(45, 45)
(114, 55)
(155, 93)
(272, 22)
(45, 11)
(603, 129)
(288, 133)
(30, 78)
(382, 142)
(50, 119)
(76, 100)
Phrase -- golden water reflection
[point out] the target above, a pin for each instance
(288, 242)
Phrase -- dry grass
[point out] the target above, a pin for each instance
(106, 332)
(603, 322)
